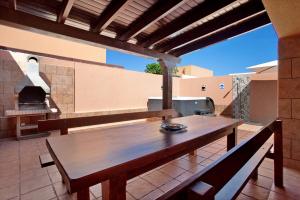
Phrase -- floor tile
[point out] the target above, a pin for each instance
(153, 195)
(45, 193)
(256, 192)
(157, 178)
(9, 192)
(170, 185)
(140, 188)
(172, 170)
(34, 183)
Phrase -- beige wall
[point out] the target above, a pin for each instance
(33, 42)
(222, 98)
(101, 88)
(263, 100)
(192, 87)
(193, 70)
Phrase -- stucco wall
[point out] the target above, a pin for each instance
(263, 100)
(222, 97)
(33, 42)
(101, 88)
(193, 70)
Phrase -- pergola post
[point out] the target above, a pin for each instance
(167, 67)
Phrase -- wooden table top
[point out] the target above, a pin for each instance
(96, 154)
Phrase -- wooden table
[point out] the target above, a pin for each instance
(111, 156)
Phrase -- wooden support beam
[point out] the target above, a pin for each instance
(152, 15)
(109, 14)
(232, 16)
(202, 10)
(234, 30)
(65, 10)
(40, 25)
(167, 67)
(12, 4)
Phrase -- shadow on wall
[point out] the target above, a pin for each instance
(51, 101)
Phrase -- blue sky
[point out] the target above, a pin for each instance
(230, 56)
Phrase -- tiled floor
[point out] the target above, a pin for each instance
(22, 178)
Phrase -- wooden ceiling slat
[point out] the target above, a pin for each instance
(200, 11)
(110, 13)
(24, 20)
(87, 7)
(65, 11)
(154, 13)
(237, 29)
(239, 13)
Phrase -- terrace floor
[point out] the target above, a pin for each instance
(21, 176)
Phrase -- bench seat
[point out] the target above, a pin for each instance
(225, 178)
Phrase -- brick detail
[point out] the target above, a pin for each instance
(289, 88)
(296, 108)
(296, 68)
(289, 98)
(285, 108)
(285, 68)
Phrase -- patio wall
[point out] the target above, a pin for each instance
(222, 97)
(105, 89)
(81, 89)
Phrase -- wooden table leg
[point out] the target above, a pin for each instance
(114, 188)
(83, 194)
(278, 154)
(231, 139)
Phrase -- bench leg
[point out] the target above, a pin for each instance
(83, 194)
(114, 188)
(231, 139)
(278, 154)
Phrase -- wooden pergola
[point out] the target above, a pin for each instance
(161, 29)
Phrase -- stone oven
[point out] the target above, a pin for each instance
(31, 96)
(32, 92)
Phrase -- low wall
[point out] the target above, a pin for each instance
(85, 89)
(104, 89)
(222, 97)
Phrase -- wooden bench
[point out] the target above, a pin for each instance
(225, 178)
(64, 124)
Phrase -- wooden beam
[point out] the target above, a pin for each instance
(152, 15)
(33, 23)
(195, 14)
(12, 4)
(167, 67)
(109, 14)
(233, 16)
(65, 10)
(234, 30)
